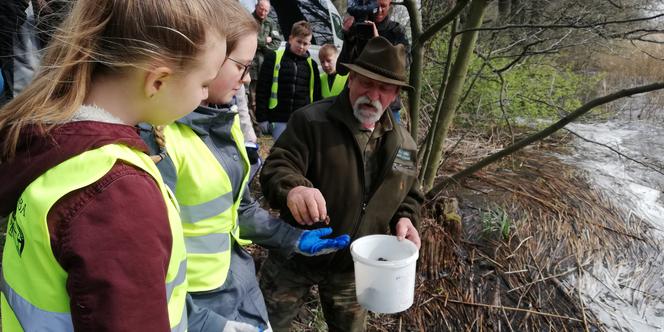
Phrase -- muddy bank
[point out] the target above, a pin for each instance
(538, 243)
(623, 159)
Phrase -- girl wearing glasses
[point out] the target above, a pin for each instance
(206, 165)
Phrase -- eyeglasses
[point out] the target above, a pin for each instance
(246, 67)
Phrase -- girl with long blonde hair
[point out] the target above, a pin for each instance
(94, 239)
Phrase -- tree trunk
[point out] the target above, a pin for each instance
(439, 99)
(416, 66)
(454, 88)
(419, 39)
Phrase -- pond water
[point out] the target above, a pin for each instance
(627, 295)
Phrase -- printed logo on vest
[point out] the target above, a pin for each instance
(14, 229)
(16, 233)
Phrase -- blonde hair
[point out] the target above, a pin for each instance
(106, 37)
(239, 25)
(327, 49)
(301, 29)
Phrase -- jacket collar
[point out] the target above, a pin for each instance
(386, 24)
(291, 54)
(258, 19)
(205, 119)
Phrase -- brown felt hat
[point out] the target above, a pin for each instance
(382, 61)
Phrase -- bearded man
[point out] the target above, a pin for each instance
(345, 162)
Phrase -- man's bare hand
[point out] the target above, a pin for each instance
(268, 39)
(406, 230)
(307, 205)
(373, 25)
(347, 23)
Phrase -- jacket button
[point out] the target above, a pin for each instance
(235, 157)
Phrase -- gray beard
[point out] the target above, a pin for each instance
(364, 116)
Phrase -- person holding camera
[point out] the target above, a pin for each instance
(368, 19)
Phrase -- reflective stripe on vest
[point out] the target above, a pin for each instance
(196, 213)
(338, 85)
(275, 80)
(205, 194)
(34, 284)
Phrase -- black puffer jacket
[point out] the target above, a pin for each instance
(293, 93)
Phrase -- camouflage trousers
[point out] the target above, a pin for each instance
(285, 285)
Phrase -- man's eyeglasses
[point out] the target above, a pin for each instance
(246, 67)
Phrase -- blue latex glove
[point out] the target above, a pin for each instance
(235, 326)
(311, 242)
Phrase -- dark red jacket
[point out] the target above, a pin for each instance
(112, 237)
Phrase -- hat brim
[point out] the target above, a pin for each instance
(365, 72)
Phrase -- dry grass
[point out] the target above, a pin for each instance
(629, 65)
(558, 227)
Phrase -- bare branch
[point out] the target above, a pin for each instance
(649, 166)
(564, 26)
(646, 52)
(435, 190)
(619, 6)
(449, 17)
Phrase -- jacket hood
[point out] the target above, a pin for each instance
(205, 119)
(38, 151)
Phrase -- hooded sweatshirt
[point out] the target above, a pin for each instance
(111, 237)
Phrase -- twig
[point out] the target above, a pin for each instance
(543, 279)
(617, 231)
(616, 151)
(515, 309)
(564, 26)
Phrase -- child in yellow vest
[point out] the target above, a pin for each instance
(94, 239)
(288, 80)
(331, 83)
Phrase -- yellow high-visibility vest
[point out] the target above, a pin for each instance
(337, 86)
(275, 80)
(208, 211)
(34, 294)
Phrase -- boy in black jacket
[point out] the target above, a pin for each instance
(288, 80)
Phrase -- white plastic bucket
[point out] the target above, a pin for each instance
(384, 272)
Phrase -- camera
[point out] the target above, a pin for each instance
(363, 10)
